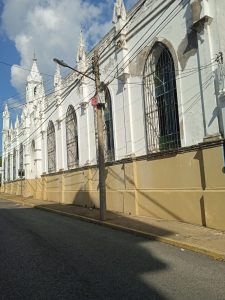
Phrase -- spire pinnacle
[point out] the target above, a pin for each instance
(6, 108)
(6, 118)
(34, 56)
(34, 73)
(17, 122)
(81, 38)
(6, 111)
(81, 55)
(57, 76)
(119, 11)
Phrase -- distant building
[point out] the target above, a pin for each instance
(164, 118)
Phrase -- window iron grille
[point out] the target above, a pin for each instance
(108, 127)
(72, 138)
(4, 169)
(51, 146)
(9, 167)
(14, 164)
(21, 156)
(161, 108)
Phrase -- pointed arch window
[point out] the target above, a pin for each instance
(108, 127)
(72, 138)
(14, 164)
(51, 147)
(4, 169)
(32, 158)
(21, 157)
(161, 108)
(9, 167)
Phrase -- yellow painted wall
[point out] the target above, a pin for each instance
(53, 188)
(188, 187)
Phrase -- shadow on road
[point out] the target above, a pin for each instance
(46, 256)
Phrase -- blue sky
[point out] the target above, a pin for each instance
(8, 55)
(44, 26)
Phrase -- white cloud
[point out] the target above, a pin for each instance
(51, 28)
(18, 78)
(12, 102)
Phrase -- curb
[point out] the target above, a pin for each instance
(214, 254)
(179, 244)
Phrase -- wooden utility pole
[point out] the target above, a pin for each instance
(101, 153)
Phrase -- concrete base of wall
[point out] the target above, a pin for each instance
(188, 187)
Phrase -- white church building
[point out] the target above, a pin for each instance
(164, 119)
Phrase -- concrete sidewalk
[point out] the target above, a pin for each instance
(186, 236)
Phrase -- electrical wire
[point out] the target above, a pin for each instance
(106, 46)
(128, 21)
(28, 139)
(21, 97)
(47, 94)
(186, 73)
(25, 69)
(133, 47)
(146, 40)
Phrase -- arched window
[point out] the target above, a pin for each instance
(33, 146)
(161, 109)
(14, 164)
(72, 138)
(108, 127)
(9, 167)
(32, 159)
(51, 147)
(4, 169)
(21, 157)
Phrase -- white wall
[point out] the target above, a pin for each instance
(195, 89)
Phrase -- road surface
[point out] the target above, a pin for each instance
(48, 256)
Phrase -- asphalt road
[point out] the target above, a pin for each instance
(48, 256)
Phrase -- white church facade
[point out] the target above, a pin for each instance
(164, 119)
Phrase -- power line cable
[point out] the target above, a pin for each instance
(24, 95)
(25, 69)
(65, 114)
(158, 27)
(47, 94)
(28, 139)
(93, 92)
(146, 40)
(50, 115)
(128, 21)
(178, 77)
(115, 37)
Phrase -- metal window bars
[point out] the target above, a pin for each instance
(108, 128)
(4, 171)
(51, 147)
(8, 167)
(161, 109)
(72, 138)
(21, 157)
(14, 164)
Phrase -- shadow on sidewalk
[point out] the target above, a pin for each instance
(119, 219)
(114, 218)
